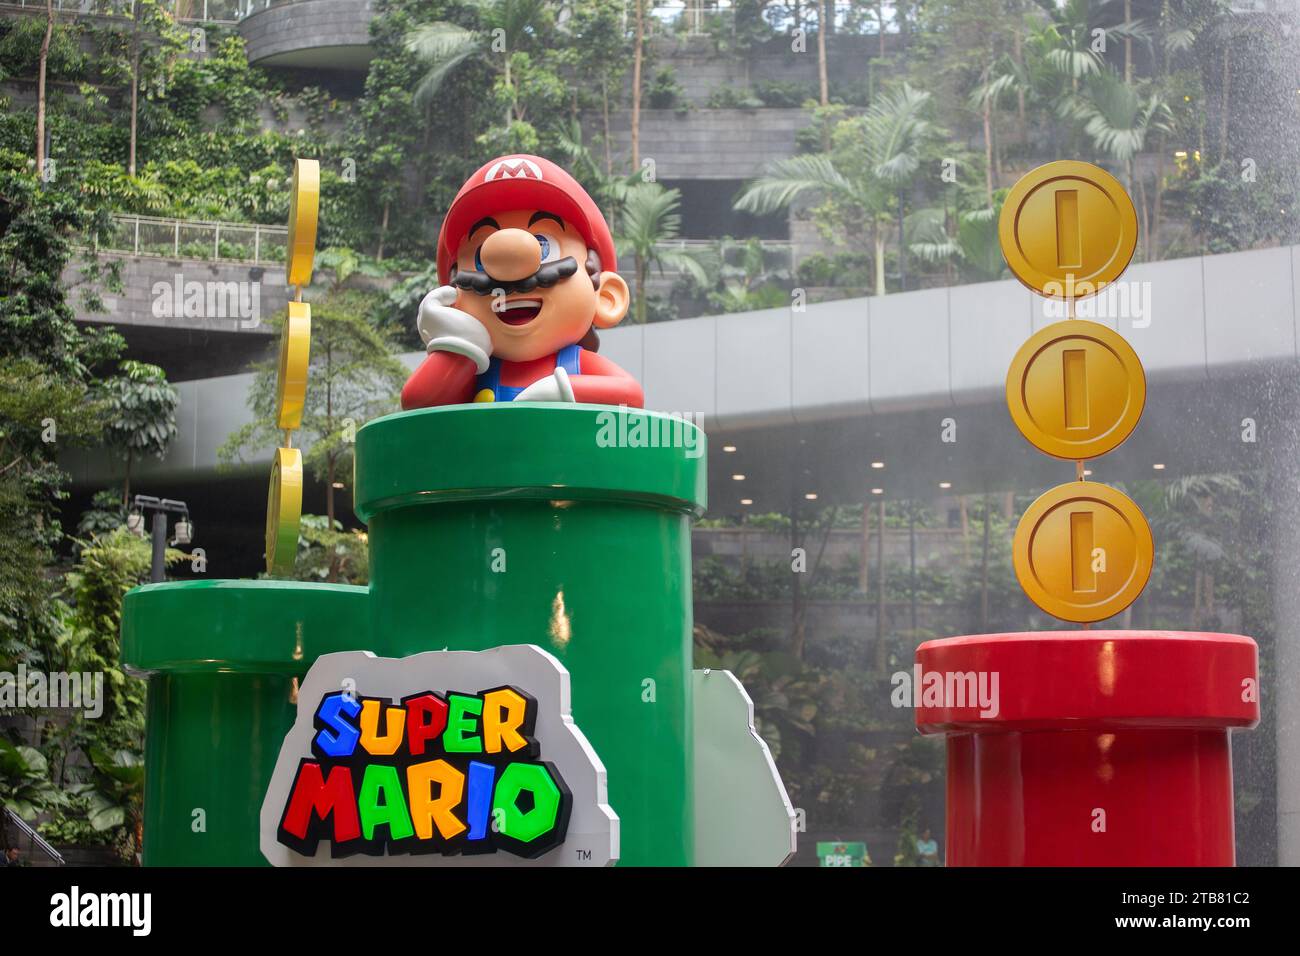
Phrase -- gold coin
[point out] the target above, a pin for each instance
(304, 204)
(1083, 552)
(283, 511)
(1076, 389)
(295, 356)
(1067, 229)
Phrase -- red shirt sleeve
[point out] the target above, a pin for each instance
(443, 378)
(602, 382)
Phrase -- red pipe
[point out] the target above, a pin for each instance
(1088, 748)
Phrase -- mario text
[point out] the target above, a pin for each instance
(450, 774)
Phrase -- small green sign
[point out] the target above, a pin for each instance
(842, 854)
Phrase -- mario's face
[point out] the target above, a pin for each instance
(529, 278)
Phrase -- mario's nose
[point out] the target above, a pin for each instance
(510, 255)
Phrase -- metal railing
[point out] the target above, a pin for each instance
(37, 840)
(778, 254)
(258, 244)
(195, 239)
(183, 11)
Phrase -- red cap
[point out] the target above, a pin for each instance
(523, 182)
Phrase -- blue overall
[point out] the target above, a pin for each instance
(568, 358)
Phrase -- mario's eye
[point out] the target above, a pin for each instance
(550, 246)
(478, 259)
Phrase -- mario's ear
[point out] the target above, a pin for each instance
(612, 300)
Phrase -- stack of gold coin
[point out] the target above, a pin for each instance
(284, 498)
(1076, 389)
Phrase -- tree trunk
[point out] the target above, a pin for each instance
(1223, 109)
(965, 527)
(126, 480)
(879, 240)
(383, 231)
(638, 54)
(1020, 90)
(882, 658)
(911, 543)
(40, 90)
(642, 276)
(510, 108)
(984, 570)
(864, 552)
(988, 150)
(135, 91)
(797, 633)
(824, 85)
(604, 110)
(1128, 43)
(329, 491)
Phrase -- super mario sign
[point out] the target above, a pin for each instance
(394, 761)
(527, 266)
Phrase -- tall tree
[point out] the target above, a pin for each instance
(141, 408)
(648, 224)
(507, 28)
(638, 63)
(40, 88)
(353, 376)
(873, 158)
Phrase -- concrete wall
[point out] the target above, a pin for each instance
(884, 361)
(324, 34)
(708, 144)
(700, 68)
(143, 302)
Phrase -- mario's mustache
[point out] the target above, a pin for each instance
(547, 274)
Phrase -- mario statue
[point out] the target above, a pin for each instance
(526, 263)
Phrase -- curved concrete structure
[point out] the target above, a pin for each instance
(310, 34)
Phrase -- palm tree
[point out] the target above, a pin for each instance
(972, 245)
(1068, 41)
(648, 222)
(872, 160)
(1118, 118)
(998, 78)
(40, 88)
(638, 60)
(444, 46)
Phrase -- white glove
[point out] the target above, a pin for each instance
(552, 388)
(446, 329)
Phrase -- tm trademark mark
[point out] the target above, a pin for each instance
(584, 854)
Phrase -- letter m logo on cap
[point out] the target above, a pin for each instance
(516, 167)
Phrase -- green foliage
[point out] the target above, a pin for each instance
(141, 412)
(47, 395)
(109, 565)
(20, 49)
(649, 221)
(353, 377)
(664, 90)
(25, 785)
(327, 552)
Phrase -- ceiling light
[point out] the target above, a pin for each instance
(877, 464)
(945, 484)
(737, 477)
(728, 447)
(746, 501)
(811, 496)
(1158, 467)
(877, 491)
